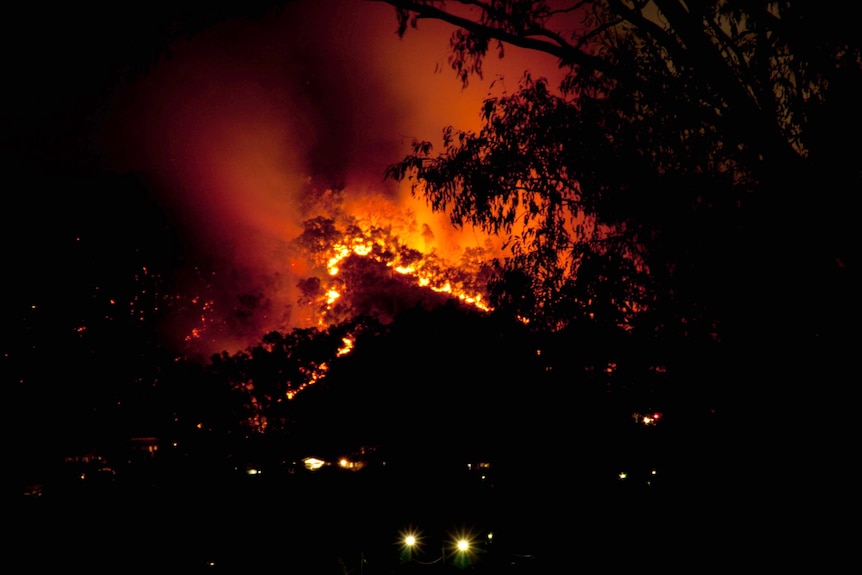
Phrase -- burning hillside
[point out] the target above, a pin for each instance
(370, 270)
(361, 273)
(354, 266)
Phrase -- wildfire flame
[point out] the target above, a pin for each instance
(355, 266)
(365, 267)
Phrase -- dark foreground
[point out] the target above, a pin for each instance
(340, 523)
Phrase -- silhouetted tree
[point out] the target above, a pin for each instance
(684, 148)
(683, 179)
(691, 181)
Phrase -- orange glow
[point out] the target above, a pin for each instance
(233, 130)
(366, 244)
(346, 348)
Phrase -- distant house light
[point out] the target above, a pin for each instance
(647, 419)
(148, 445)
(312, 463)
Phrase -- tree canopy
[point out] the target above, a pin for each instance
(697, 159)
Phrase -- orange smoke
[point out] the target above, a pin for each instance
(245, 118)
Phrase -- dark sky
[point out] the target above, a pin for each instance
(196, 132)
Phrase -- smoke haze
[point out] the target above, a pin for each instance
(246, 122)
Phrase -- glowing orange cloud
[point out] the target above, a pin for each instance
(245, 118)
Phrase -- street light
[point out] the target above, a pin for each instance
(412, 542)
